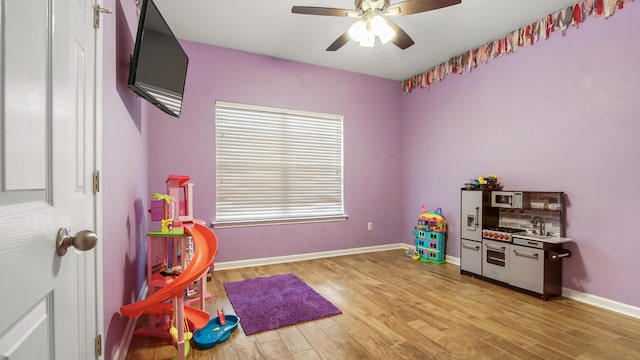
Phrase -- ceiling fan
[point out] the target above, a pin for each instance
(373, 22)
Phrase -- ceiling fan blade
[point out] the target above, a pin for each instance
(402, 39)
(409, 7)
(311, 10)
(343, 39)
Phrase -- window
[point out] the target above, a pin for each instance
(277, 166)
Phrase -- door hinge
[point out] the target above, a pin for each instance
(96, 182)
(99, 345)
(97, 9)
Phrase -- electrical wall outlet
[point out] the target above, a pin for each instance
(370, 226)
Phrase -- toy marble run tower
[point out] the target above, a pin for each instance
(176, 207)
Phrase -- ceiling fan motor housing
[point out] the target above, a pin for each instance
(364, 5)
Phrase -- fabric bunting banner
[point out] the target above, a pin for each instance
(528, 35)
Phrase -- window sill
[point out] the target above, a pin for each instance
(265, 222)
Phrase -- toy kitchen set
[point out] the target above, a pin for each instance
(514, 239)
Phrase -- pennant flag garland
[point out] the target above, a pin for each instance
(525, 36)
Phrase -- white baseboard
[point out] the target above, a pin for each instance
(594, 300)
(602, 302)
(452, 260)
(123, 347)
(228, 265)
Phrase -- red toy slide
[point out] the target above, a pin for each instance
(206, 248)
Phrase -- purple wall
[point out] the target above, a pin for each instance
(371, 147)
(559, 116)
(124, 174)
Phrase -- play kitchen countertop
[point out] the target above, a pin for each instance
(546, 239)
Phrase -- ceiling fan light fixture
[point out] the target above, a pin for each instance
(381, 28)
(368, 40)
(358, 31)
(376, 12)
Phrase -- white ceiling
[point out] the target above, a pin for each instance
(268, 27)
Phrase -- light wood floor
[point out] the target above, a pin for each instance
(397, 308)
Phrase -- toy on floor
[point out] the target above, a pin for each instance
(409, 251)
(218, 330)
(430, 236)
(173, 330)
(412, 253)
(223, 320)
(171, 249)
(210, 272)
(178, 257)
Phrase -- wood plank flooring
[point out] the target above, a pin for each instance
(397, 308)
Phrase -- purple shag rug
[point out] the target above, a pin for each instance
(272, 302)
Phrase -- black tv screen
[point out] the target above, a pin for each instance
(159, 64)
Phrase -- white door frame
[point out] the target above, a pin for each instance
(98, 167)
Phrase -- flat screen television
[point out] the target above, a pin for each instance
(158, 64)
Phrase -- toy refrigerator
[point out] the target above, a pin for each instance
(476, 213)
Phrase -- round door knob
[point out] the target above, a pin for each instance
(83, 240)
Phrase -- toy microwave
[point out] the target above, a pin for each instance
(509, 199)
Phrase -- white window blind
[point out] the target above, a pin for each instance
(277, 165)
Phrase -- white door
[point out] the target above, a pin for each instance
(48, 303)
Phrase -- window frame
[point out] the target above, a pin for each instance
(278, 114)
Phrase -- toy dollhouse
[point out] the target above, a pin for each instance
(430, 236)
(171, 249)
